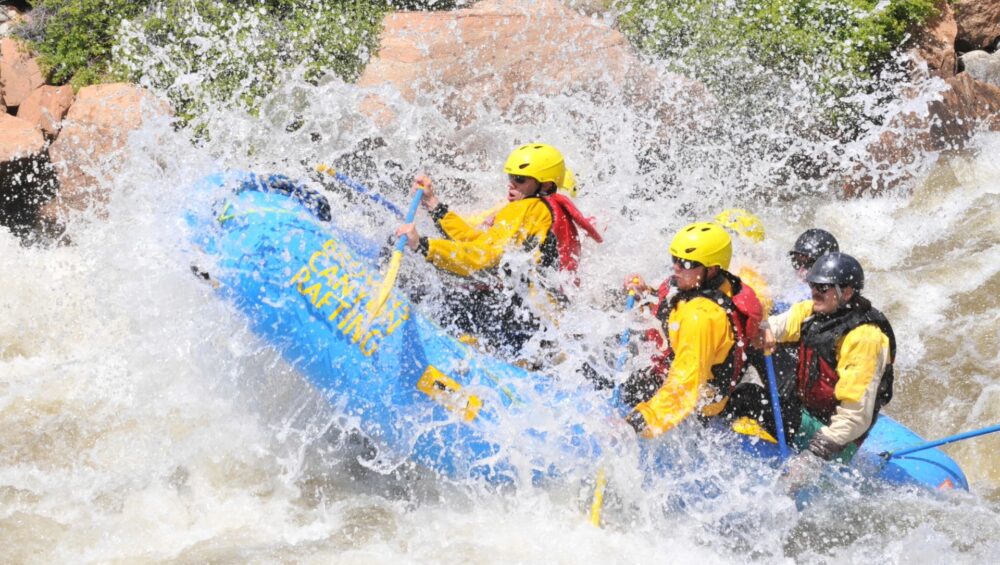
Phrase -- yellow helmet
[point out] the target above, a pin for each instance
(743, 223)
(569, 183)
(539, 161)
(704, 242)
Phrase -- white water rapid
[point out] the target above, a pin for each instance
(141, 421)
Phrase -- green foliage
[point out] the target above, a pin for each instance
(852, 35)
(74, 37)
(739, 46)
(205, 51)
(414, 5)
(232, 50)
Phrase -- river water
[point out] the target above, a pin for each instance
(140, 420)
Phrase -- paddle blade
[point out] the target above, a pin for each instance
(375, 306)
(597, 505)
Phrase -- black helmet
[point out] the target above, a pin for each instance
(811, 245)
(837, 269)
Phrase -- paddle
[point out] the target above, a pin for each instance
(623, 342)
(772, 385)
(361, 189)
(627, 333)
(942, 441)
(389, 281)
(601, 481)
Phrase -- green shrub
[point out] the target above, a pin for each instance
(241, 46)
(743, 47)
(430, 4)
(74, 38)
(204, 52)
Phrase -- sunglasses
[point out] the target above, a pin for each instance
(821, 287)
(518, 179)
(685, 263)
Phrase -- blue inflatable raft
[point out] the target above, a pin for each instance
(416, 392)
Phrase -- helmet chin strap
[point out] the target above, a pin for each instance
(707, 278)
(839, 292)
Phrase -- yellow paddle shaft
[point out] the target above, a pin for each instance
(375, 306)
(598, 504)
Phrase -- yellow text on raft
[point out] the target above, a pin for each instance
(337, 286)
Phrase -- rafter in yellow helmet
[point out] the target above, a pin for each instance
(704, 242)
(569, 183)
(539, 161)
(743, 223)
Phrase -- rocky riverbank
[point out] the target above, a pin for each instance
(55, 144)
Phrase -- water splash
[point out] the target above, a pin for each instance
(142, 420)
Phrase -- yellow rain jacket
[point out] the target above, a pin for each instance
(483, 219)
(471, 249)
(862, 356)
(701, 337)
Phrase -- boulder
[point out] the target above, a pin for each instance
(967, 105)
(935, 42)
(19, 72)
(978, 24)
(946, 123)
(88, 150)
(484, 57)
(19, 139)
(983, 66)
(25, 175)
(9, 16)
(46, 107)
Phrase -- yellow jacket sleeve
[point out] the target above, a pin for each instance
(701, 336)
(787, 326)
(513, 225)
(862, 357)
(478, 219)
(456, 228)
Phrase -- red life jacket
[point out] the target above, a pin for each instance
(817, 373)
(745, 314)
(565, 246)
(661, 359)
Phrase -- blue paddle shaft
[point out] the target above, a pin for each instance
(626, 334)
(772, 385)
(362, 189)
(942, 441)
(410, 214)
(622, 341)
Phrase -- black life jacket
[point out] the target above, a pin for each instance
(817, 373)
(744, 312)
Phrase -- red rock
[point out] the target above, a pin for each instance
(935, 42)
(19, 72)
(88, 149)
(948, 123)
(46, 107)
(968, 104)
(115, 106)
(19, 139)
(25, 177)
(978, 24)
(488, 55)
